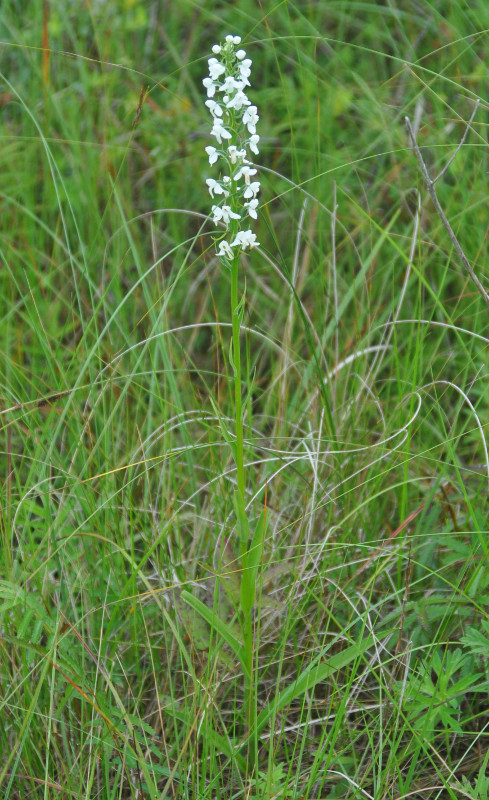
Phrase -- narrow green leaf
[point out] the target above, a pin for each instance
(219, 626)
(255, 553)
(243, 524)
(251, 564)
(314, 674)
(240, 308)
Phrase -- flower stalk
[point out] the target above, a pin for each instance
(234, 121)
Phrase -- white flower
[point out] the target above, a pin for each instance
(224, 214)
(215, 187)
(214, 108)
(245, 239)
(225, 249)
(238, 101)
(240, 54)
(236, 39)
(245, 71)
(252, 190)
(246, 173)
(251, 208)
(234, 154)
(216, 69)
(230, 84)
(216, 48)
(245, 68)
(219, 131)
(212, 153)
(210, 86)
(253, 142)
(250, 118)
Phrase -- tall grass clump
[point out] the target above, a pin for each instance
(244, 438)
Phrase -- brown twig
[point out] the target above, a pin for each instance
(430, 185)
(391, 536)
(142, 97)
(41, 403)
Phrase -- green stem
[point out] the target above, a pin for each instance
(238, 406)
(247, 589)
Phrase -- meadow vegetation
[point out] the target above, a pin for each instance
(364, 349)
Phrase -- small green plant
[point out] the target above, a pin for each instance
(434, 696)
(478, 790)
(272, 785)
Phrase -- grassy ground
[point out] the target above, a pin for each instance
(365, 393)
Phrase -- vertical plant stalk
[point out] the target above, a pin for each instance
(238, 402)
(247, 591)
(234, 127)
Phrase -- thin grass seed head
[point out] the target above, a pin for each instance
(234, 121)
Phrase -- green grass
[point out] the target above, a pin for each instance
(364, 363)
